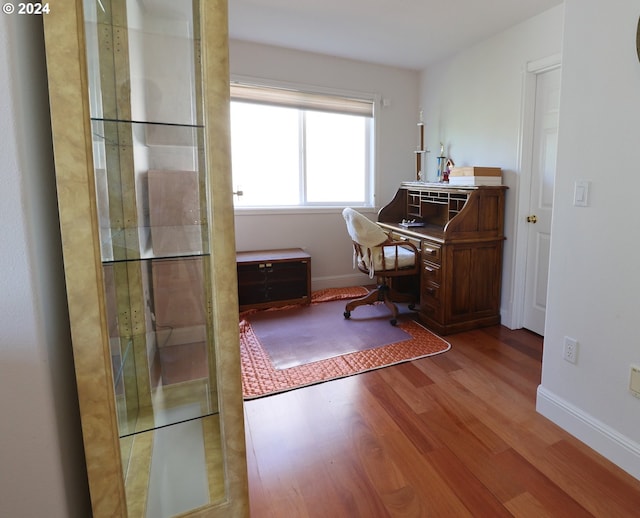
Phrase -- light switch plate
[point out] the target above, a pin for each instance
(634, 381)
(581, 193)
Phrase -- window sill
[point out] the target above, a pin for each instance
(263, 211)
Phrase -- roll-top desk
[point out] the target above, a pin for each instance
(460, 233)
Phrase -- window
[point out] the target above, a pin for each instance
(292, 148)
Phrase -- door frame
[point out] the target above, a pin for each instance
(525, 151)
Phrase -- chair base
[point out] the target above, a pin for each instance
(383, 293)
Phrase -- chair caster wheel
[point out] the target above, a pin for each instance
(347, 314)
(393, 322)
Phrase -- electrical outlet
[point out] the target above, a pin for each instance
(570, 351)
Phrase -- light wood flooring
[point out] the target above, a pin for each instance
(454, 435)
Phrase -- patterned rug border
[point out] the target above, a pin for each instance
(260, 378)
(325, 295)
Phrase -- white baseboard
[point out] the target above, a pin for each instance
(609, 443)
(506, 318)
(340, 281)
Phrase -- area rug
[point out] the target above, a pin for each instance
(314, 332)
(260, 377)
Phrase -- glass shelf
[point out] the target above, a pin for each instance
(150, 191)
(150, 122)
(186, 243)
(160, 338)
(177, 394)
(166, 410)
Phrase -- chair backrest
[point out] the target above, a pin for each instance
(365, 235)
(362, 230)
(374, 252)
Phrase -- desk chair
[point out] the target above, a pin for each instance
(377, 255)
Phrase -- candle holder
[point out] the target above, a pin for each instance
(442, 164)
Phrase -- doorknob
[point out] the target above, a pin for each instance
(532, 219)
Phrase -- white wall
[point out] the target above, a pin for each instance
(41, 457)
(472, 103)
(323, 233)
(594, 282)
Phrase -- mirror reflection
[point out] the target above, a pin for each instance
(143, 66)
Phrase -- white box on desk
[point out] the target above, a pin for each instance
(475, 176)
(475, 171)
(475, 180)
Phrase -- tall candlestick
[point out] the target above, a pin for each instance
(420, 161)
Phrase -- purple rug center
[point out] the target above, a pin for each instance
(308, 334)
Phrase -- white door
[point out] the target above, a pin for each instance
(543, 172)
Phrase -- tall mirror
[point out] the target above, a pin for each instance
(155, 204)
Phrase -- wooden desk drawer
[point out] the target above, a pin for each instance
(430, 289)
(430, 274)
(430, 300)
(431, 252)
(401, 237)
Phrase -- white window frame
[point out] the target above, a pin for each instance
(370, 175)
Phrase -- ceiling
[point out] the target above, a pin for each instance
(405, 33)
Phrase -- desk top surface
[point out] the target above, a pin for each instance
(426, 231)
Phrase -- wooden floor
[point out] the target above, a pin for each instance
(449, 436)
